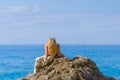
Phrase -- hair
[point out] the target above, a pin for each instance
(52, 47)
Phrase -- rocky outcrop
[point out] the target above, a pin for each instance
(79, 68)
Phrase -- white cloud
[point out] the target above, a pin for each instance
(66, 20)
(21, 9)
(19, 14)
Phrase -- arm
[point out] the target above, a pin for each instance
(46, 50)
(59, 51)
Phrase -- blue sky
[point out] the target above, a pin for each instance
(82, 22)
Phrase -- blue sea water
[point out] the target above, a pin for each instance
(17, 61)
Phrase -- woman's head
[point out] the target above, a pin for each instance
(52, 47)
(52, 40)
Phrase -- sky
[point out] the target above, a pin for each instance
(84, 22)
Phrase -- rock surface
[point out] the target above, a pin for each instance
(79, 68)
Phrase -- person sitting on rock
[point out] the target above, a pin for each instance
(51, 49)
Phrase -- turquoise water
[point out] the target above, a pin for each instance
(18, 61)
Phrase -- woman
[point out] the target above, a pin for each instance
(51, 49)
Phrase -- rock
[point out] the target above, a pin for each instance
(79, 68)
(23, 79)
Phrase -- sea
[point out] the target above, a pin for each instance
(16, 61)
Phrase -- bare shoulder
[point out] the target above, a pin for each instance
(46, 45)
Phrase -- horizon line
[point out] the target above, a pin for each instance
(60, 44)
